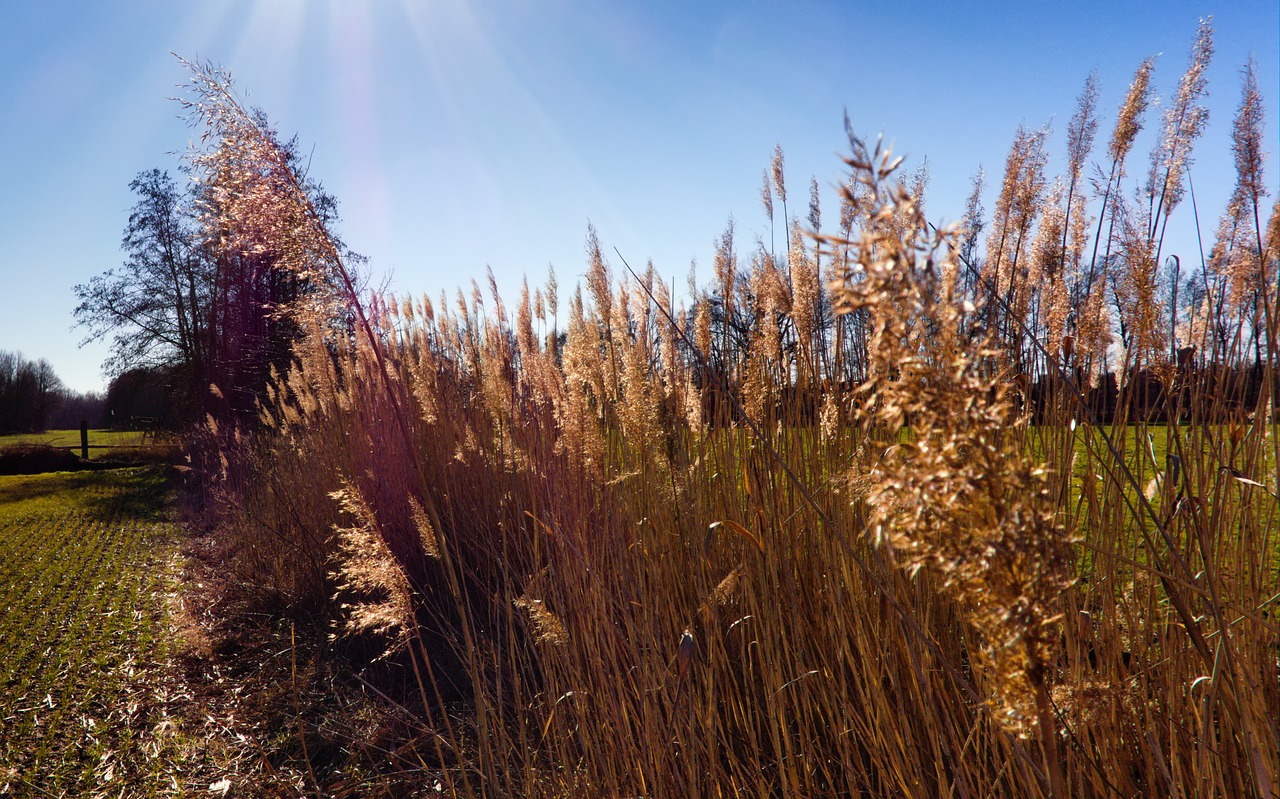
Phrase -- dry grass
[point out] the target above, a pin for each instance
(855, 522)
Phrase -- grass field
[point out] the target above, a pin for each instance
(86, 562)
(71, 438)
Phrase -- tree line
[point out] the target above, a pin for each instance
(33, 398)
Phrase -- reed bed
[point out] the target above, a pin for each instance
(898, 511)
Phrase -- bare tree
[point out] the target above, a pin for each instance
(207, 291)
(155, 307)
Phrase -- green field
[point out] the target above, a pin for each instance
(87, 561)
(71, 439)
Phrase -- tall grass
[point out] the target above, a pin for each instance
(856, 521)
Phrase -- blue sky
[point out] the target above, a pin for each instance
(459, 135)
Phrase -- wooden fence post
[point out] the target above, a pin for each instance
(84, 439)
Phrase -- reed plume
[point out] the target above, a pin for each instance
(1184, 121)
(959, 497)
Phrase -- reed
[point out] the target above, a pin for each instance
(949, 522)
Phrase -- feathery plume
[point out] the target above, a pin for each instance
(1083, 128)
(815, 206)
(1129, 120)
(367, 572)
(1246, 138)
(725, 263)
(1137, 291)
(766, 196)
(1184, 120)
(1015, 213)
(779, 179)
(703, 327)
(962, 496)
(598, 280)
(973, 221)
(1047, 258)
(524, 324)
(548, 630)
(1229, 259)
(920, 184)
(804, 307)
(553, 293)
(426, 533)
